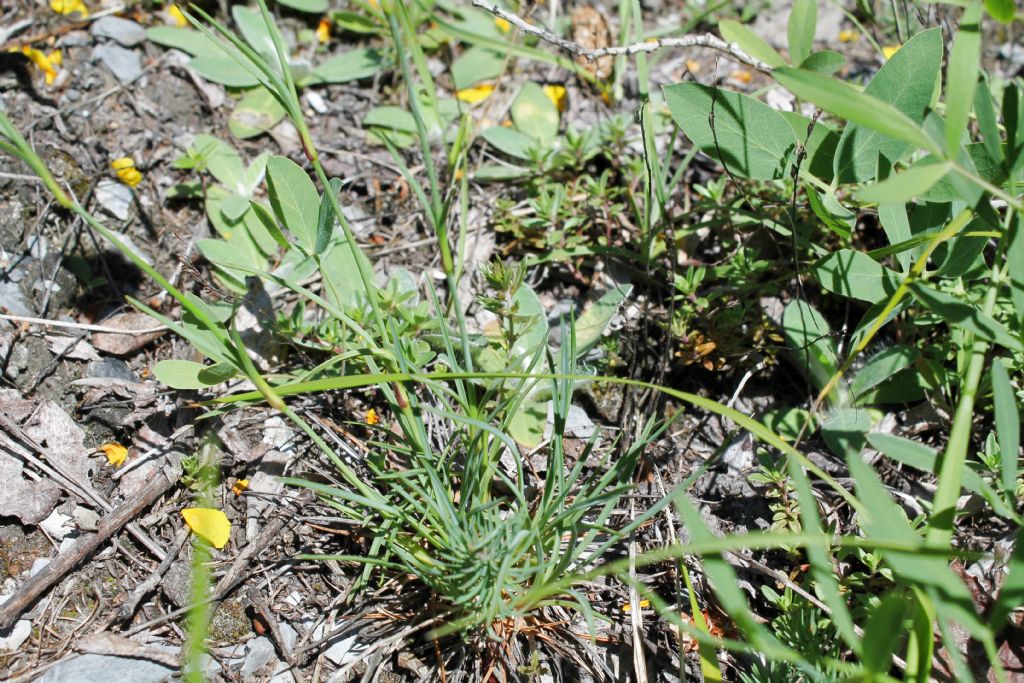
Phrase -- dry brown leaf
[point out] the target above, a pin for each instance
(130, 341)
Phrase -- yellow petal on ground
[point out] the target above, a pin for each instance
(372, 417)
(69, 7)
(115, 452)
(323, 30)
(174, 12)
(502, 24)
(693, 66)
(558, 96)
(126, 171)
(889, 50)
(210, 524)
(43, 62)
(742, 75)
(474, 94)
(848, 36)
(240, 486)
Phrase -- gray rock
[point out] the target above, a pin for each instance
(124, 64)
(93, 667)
(14, 299)
(259, 652)
(115, 197)
(124, 31)
(110, 368)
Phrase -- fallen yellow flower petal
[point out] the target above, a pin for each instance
(558, 96)
(210, 524)
(692, 66)
(474, 94)
(502, 24)
(176, 15)
(643, 604)
(46, 63)
(848, 36)
(126, 171)
(889, 50)
(115, 452)
(240, 486)
(372, 417)
(323, 30)
(742, 75)
(69, 7)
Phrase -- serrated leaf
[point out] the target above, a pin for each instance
(294, 199)
(856, 275)
(735, 32)
(749, 138)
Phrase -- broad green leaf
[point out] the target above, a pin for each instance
(257, 112)
(326, 218)
(528, 424)
(395, 118)
(182, 374)
(224, 70)
(500, 173)
(591, 325)
(233, 206)
(954, 187)
(511, 142)
(185, 39)
(844, 430)
(531, 325)
(735, 32)
(222, 161)
(270, 224)
(809, 337)
(886, 115)
(969, 317)
(1007, 417)
(803, 19)
(856, 275)
(824, 61)
(343, 286)
(1001, 10)
(217, 373)
(354, 22)
(352, 65)
(749, 138)
(820, 146)
(240, 251)
(985, 112)
(883, 631)
(788, 422)
(475, 65)
(834, 215)
(254, 30)
(902, 187)
(313, 6)
(891, 131)
(294, 199)
(535, 114)
(962, 76)
(897, 228)
(881, 367)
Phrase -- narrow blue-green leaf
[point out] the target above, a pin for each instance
(270, 224)
(902, 187)
(1007, 416)
(294, 199)
(896, 225)
(847, 102)
(755, 46)
(803, 20)
(962, 76)
(988, 126)
(352, 65)
(882, 366)
(824, 61)
(325, 219)
(182, 374)
(919, 456)
(969, 317)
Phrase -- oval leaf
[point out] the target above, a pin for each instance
(294, 199)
